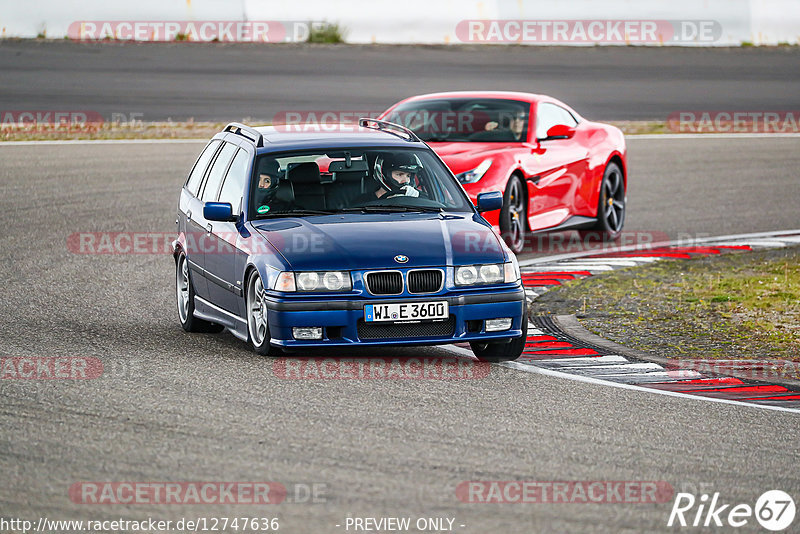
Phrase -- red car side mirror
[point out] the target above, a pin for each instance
(560, 131)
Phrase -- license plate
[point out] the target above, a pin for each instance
(405, 311)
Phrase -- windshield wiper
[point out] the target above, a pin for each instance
(384, 208)
(294, 213)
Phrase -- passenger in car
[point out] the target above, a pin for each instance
(266, 196)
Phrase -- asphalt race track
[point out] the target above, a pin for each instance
(223, 82)
(171, 406)
(174, 407)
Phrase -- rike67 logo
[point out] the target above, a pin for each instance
(774, 510)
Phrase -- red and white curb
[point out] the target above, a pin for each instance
(552, 352)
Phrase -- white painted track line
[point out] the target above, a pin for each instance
(755, 243)
(614, 369)
(631, 387)
(624, 259)
(588, 360)
(572, 267)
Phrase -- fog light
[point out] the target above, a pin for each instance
(307, 332)
(497, 325)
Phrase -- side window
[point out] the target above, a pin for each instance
(233, 186)
(199, 170)
(548, 115)
(565, 117)
(216, 173)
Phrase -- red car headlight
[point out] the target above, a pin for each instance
(472, 176)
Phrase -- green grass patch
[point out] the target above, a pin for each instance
(740, 305)
(326, 33)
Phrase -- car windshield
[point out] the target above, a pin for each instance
(465, 119)
(358, 180)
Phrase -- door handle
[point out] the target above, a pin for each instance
(208, 229)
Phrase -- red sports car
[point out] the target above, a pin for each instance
(557, 170)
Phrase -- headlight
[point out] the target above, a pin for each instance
(470, 275)
(307, 281)
(469, 177)
(314, 281)
(335, 281)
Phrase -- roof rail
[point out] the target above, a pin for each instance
(246, 132)
(389, 127)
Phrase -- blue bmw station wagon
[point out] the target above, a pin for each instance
(299, 240)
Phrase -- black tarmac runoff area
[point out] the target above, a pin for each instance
(223, 82)
(178, 407)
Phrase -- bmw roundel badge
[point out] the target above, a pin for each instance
(401, 258)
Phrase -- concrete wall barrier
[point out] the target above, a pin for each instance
(529, 22)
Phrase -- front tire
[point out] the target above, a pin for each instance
(611, 205)
(257, 321)
(513, 215)
(184, 293)
(503, 351)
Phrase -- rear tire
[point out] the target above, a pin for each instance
(184, 293)
(513, 215)
(502, 351)
(611, 206)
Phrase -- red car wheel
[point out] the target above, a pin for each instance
(513, 215)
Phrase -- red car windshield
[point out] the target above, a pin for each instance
(464, 119)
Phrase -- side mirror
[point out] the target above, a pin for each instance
(559, 131)
(218, 211)
(491, 201)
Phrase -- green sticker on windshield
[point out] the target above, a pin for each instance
(263, 209)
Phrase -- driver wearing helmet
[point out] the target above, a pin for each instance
(267, 188)
(395, 177)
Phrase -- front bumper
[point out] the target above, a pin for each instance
(343, 320)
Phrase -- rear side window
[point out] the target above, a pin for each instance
(196, 176)
(216, 173)
(233, 186)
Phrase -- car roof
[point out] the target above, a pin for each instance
(510, 95)
(302, 136)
